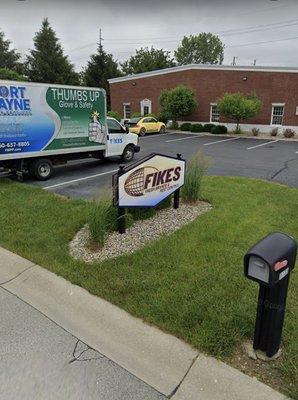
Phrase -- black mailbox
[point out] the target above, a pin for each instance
(271, 259)
(269, 263)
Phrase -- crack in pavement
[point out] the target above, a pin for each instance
(15, 277)
(286, 166)
(77, 354)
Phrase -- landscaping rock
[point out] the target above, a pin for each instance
(163, 223)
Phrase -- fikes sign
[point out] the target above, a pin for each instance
(150, 181)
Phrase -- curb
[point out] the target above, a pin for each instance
(164, 362)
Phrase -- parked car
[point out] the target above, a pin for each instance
(143, 125)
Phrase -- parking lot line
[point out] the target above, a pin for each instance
(185, 138)
(158, 135)
(262, 144)
(221, 141)
(80, 179)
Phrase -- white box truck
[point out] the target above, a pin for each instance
(43, 125)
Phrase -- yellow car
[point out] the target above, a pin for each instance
(143, 125)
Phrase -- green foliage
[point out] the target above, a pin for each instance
(136, 115)
(141, 213)
(11, 75)
(9, 58)
(114, 114)
(184, 291)
(166, 203)
(205, 48)
(102, 219)
(174, 125)
(185, 126)
(219, 129)
(47, 62)
(208, 127)
(100, 68)
(239, 106)
(197, 128)
(178, 102)
(289, 133)
(195, 170)
(146, 60)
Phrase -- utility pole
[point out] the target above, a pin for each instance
(234, 60)
(100, 40)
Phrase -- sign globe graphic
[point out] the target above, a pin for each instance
(134, 184)
(4, 92)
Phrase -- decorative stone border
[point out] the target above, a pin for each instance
(142, 232)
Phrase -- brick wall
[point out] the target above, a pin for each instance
(209, 85)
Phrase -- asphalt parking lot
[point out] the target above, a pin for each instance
(271, 159)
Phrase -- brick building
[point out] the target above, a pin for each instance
(276, 87)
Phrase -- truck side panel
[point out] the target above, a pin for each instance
(41, 119)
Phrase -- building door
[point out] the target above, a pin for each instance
(146, 107)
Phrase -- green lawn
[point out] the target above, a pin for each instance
(190, 283)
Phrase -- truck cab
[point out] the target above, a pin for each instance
(120, 141)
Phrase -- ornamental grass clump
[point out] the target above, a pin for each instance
(195, 170)
(102, 220)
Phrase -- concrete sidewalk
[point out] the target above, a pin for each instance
(162, 361)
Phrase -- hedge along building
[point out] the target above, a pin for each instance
(277, 88)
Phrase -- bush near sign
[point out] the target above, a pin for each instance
(150, 181)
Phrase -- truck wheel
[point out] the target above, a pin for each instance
(128, 154)
(142, 132)
(41, 169)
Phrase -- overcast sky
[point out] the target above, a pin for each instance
(130, 24)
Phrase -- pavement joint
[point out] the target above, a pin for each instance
(184, 377)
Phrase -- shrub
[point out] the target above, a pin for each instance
(289, 133)
(197, 128)
(174, 125)
(274, 132)
(162, 118)
(237, 130)
(102, 219)
(208, 127)
(136, 115)
(219, 129)
(114, 114)
(141, 213)
(196, 168)
(255, 131)
(185, 127)
(166, 203)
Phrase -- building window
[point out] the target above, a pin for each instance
(277, 114)
(146, 107)
(214, 113)
(126, 110)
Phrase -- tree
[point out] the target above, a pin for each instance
(178, 102)
(47, 62)
(204, 48)
(9, 58)
(8, 74)
(239, 106)
(100, 68)
(146, 60)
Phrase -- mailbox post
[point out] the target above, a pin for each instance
(269, 263)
